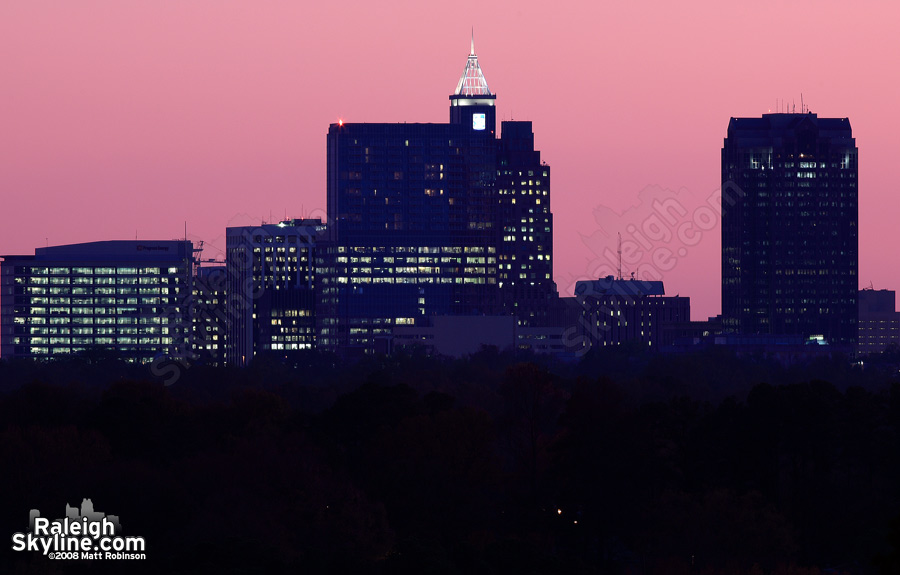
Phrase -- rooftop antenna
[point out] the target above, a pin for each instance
(620, 255)
(802, 107)
(472, 51)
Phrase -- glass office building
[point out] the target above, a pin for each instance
(789, 227)
(430, 219)
(128, 297)
(270, 283)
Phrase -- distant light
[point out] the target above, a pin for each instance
(341, 122)
(559, 511)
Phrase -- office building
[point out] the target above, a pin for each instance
(126, 297)
(879, 321)
(616, 311)
(270, 282)
(420, 216)
(525, 253)
(789, 227)
(208, 315)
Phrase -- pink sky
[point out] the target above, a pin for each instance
(120, 118)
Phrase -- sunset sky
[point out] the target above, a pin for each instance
(124, 118)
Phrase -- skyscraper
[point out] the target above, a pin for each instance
(270, 284)
(526, 248)
(419, 215)
(789, 227)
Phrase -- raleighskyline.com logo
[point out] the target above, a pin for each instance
(82, 535)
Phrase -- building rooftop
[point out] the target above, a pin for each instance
(618, 287)
(472, 82)
(122, 250)
(773, 123)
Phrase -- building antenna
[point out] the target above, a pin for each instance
(802, 107)
(620, 255)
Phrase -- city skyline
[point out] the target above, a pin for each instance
(133, 121)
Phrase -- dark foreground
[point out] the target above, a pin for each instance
(624, 463)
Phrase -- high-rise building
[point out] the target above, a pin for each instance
(526, 247)
(270, 284)
(420, 216)
(128, 297)
(789, 227)
(209, 321)
(879, 321)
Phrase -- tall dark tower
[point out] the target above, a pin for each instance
(472, 104)
(526, 226)
(421, 219)
(789, 227)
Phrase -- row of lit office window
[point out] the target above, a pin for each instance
(56, 301)
(415, 280)
(521, 173)
(524, 192)
(417, 249)
(291, 346)
(99, 291)
(94, 271)
(111, 330)
(86, 281)
(419, 260)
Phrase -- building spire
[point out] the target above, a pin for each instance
(472, 82)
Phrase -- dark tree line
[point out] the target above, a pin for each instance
(622, 463)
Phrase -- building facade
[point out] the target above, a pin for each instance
(270, 283)
(879, 321)
(417, 214)
(209, 321)
(616, 311)
(789, 227)
(126, 297)
(525, 252)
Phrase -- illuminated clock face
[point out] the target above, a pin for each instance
(477, 121)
